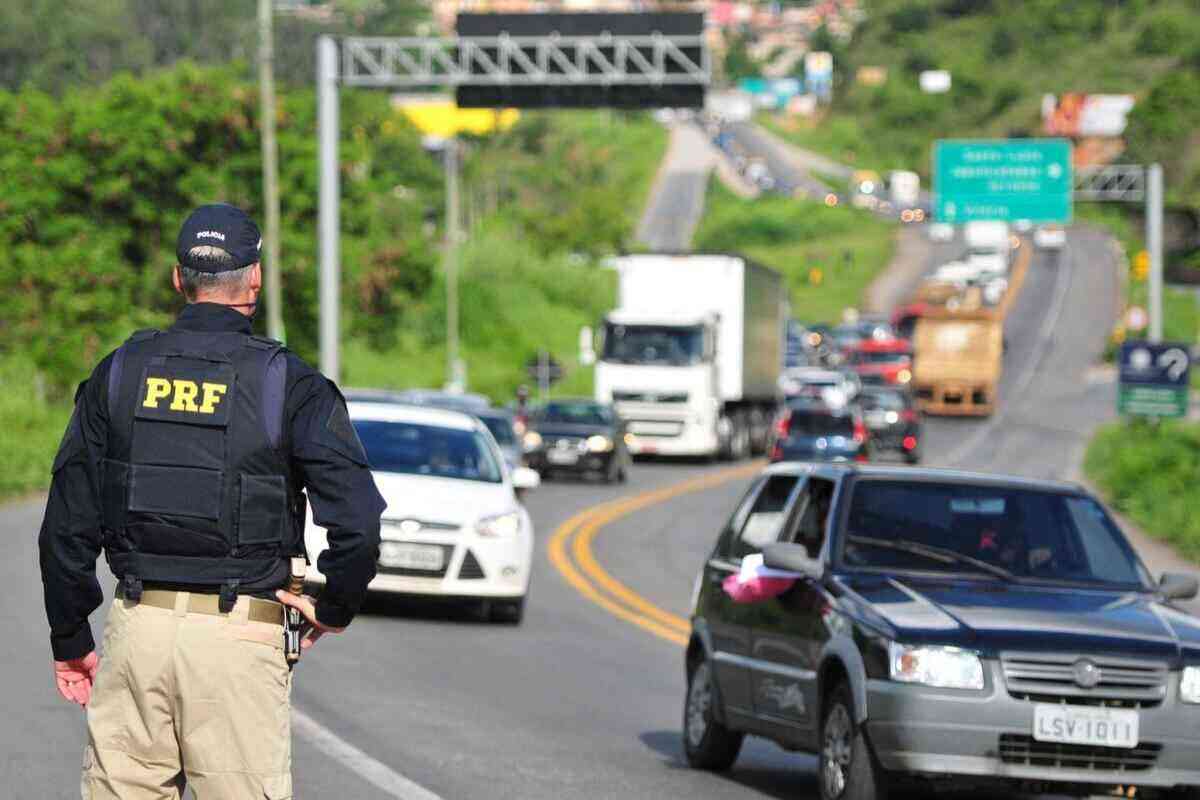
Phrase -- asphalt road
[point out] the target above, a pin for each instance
(575, 703)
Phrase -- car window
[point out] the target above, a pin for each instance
(818, 423)
(811, 513)
(575, 414)
(738, 519)
(428, 450)
(501, 428)
(764, 522)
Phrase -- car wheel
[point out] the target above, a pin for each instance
(913, 458)
(706, 742)
(846, 768)
(507, 611)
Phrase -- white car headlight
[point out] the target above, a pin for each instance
(500, 526)
(942, 667)
(531, 441)
(599, 444)
(1189, 685)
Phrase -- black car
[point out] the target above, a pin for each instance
(944, 627)
(893, 421)
(810, 430)
(577, 436)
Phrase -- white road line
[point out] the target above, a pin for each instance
(374, 772)
(1062, 280)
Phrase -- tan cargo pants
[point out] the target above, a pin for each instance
(185, 699)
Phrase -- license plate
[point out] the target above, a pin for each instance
(401, 555)
(1087, 725)
(561, 457)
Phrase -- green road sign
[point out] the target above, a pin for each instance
(1002, 179)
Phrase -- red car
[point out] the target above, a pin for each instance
(886, 361)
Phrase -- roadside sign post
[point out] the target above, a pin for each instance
(1154, 379)
(1002, 179)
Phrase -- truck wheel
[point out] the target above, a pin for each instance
(706, 742)
(846, 767)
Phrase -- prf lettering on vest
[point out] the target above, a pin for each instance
(183, 394)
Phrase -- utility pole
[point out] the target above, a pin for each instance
(454, 367)
(1154, 244)
(270, 156)
(329, 191)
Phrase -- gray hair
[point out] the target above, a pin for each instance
(218, 278)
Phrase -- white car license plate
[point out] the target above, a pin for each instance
(402, 555)
(1088, 725)
(562, 456)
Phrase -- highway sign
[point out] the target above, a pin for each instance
(1153, 379)
(1002, 179)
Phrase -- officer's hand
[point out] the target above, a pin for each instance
(307, 608)
(74, 678)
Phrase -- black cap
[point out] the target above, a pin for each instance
(219, 225)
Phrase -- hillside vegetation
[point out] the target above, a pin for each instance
(94, 185)
(1004, 55)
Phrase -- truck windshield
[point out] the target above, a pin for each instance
(1018, 534)
(654, 344)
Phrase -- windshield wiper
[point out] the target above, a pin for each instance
(942, 554)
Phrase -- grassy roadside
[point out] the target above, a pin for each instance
(1149, 472)
(828, 256)
(32, 428)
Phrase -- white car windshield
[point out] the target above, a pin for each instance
(431, 450)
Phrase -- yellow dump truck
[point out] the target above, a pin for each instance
(957, 358)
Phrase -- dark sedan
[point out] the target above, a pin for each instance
(943, 627)
(577, 436)
(810, 430)
(893, 421)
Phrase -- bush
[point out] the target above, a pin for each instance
(32, 427)
(1149, 472)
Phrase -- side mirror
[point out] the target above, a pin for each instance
(793, 558)
(524, 479)
(1175, 586)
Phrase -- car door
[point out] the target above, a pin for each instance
(788, 632)
(757, 521)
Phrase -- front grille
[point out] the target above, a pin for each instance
(565, 443)
(650, 397)
(1025, 750)
(407, 526)
(1126, 683)
(471, 569)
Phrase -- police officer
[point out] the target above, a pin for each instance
(185, 461)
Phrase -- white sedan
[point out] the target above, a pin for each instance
(454, 525)
(1050, 237)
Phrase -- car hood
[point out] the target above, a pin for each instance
(444, 500)
(995, 617)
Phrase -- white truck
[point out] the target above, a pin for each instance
(691, 355)
(989, 246)
(904, 187)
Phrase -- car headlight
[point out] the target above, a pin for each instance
(941, 667)
(531, 441)
(599, 444)
(1189, 685)
(500, 526)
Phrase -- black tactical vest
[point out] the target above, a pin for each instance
(196, 489)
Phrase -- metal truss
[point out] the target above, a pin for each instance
(1119, 182)
(600, 60)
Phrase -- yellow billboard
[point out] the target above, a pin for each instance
(440, 117)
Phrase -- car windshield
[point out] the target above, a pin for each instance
(1017, 534)
(501, 428)
(887, 401)
(430, 450)
(816, 423)
(574, 414)
(654, 344)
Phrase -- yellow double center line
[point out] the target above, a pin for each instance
(570, 551)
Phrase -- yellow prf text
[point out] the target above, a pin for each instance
(183, 394)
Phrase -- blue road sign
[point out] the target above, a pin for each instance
(1154, 379)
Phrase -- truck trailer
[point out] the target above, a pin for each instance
(957, 361)
(691, 355)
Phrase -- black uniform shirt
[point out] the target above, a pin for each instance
(326, 458)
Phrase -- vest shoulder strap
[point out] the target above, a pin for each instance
(118, 363)
(274, 391)
(263, 342)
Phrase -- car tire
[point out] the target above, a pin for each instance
(912, 458)
(509, 612)
(707, 743)
(846, 767)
